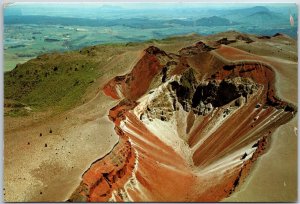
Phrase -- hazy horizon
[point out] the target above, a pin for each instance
(31, 29)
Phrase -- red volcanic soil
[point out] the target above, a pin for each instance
(136, 83)
(221, 143)
(108, 173)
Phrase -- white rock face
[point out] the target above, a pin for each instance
(162, 113)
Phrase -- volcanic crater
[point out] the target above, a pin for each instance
(190, 125)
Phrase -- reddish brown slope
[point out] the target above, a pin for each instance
(134, 84)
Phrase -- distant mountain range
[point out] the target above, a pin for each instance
(259, 17)
(132, 22)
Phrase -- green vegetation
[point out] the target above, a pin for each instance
(56, 80)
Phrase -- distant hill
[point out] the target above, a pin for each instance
(236, 14)
(252, 10)
(258, 16)
(214, 21)
(265, 17)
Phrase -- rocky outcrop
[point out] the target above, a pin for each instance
(199, 47)
(185, 88)
(224, 41)
(203, 97)
(219, 93)
(278, 34)
(244, 38)
(264, 37)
